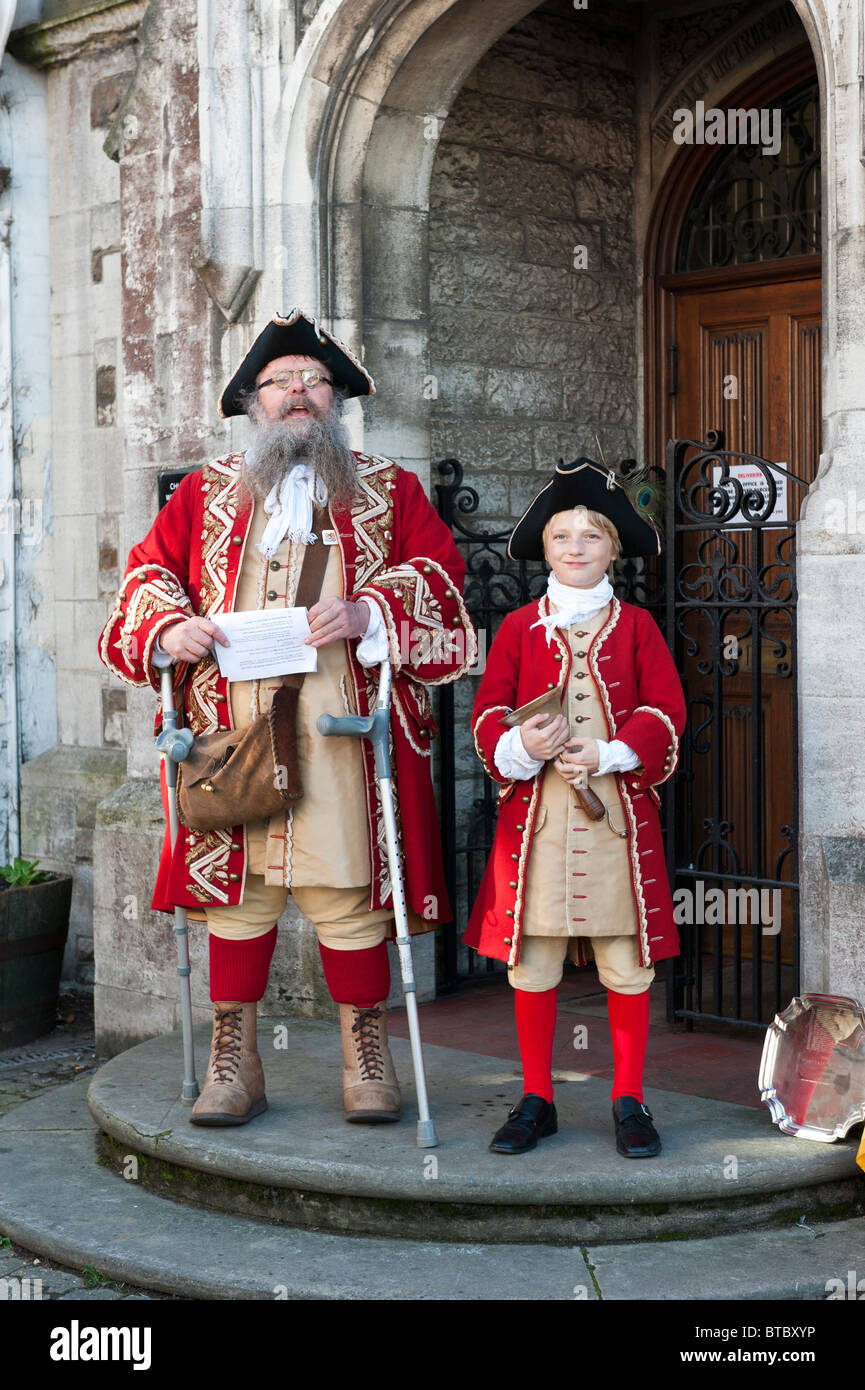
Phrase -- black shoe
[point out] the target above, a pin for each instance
(533, 1119)
(636, 1136)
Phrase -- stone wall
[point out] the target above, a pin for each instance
(533, 355)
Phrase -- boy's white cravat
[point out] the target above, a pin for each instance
(573, 605)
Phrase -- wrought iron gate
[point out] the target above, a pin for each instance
(731, 813)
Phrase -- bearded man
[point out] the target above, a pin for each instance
(232, 538)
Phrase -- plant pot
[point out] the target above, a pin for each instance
(34, 924)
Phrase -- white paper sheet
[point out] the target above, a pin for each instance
(264, 644)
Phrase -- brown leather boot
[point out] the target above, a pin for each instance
(369, 1083)
(234, 1085)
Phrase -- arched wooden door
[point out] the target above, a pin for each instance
(735, 308)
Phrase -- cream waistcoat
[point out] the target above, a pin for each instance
(578, 881)
(322, 840)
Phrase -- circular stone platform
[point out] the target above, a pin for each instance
(723, 1167)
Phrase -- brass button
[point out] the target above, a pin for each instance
(580, 718)
(515, 856)
(509, 941)
(272, 595)
(218, 696)
(581, 696)
(236, 845)
(581, 653)
(558, 657)
(580, 675)
(455, 618)
(527, 799)
(427, 569)
(275, 565)
(449, 593)
(237, 540)
(234, 878)
(513, 883)
(509, 913)
(550, 685)
(582, 634)
(521, 827)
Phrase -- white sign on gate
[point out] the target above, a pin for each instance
(752, 479)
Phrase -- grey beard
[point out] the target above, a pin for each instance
(277, 448)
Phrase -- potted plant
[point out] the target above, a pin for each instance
(34, 924)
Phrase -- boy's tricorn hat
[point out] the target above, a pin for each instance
(296, 334)
(585, 484)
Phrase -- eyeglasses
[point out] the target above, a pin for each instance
(308, 375)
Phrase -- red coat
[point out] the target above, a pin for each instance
(396, 551)
(641, 696)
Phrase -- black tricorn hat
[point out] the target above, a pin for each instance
(296, 335)
(583, 484)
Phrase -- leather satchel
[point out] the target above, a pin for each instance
(235, 776)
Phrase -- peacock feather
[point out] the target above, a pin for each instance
(647, 493)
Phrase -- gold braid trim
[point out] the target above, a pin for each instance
(672, 747)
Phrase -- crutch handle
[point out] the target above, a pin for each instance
(353, 725)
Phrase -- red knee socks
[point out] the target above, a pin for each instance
(629, 1030)
(239, 969)
(361, 978)
(536, 1026)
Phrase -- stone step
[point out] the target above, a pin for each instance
(724, 1167)
(59, 1201)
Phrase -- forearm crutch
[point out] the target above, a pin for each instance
(175, 744)
(377, 729)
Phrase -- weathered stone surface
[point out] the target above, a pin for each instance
(558, 241)
(600, 195)
(584, 142)
(481, 119)
(515, 181)
(457, 174)
(522, 393)
(845, 859)
(604, 298)
(480, 446)
(607, 398)
(514, 287)
(459, 228)
(463, 334)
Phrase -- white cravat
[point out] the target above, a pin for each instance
(289, 507)
(573, 605)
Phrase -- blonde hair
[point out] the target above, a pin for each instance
(597, 519)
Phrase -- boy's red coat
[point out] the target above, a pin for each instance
(641, 695)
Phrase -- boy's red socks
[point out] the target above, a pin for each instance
(239, 969)
(629, 1030)
(361, 978)
(536, 1026)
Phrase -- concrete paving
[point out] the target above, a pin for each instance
(56, 1199)
(720, 1163)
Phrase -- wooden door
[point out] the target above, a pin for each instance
(749, 364)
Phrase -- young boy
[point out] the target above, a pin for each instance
(557, 879)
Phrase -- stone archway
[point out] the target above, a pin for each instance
(360, 145)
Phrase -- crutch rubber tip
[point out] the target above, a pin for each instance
(189, 1093)
(426, 1134)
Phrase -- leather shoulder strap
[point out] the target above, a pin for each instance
(311, 577)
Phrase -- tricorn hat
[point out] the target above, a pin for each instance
(296, 335)
(584, 484)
